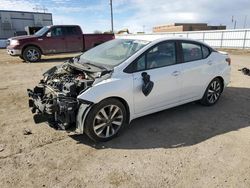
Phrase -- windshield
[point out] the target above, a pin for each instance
(42, 31)
(112, 53)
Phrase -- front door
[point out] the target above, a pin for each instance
(160, 63)
(55, 41)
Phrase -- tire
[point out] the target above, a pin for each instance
(32, 54)
(212, 93)
(106, 120)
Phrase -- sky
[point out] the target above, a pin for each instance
(137, 15)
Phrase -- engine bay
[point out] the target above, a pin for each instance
(56, 94)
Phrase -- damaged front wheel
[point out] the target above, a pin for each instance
(105, 120)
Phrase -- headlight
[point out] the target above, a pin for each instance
(14, 42)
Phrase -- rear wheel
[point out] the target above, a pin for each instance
(105, 120)
(32, 54)
(212, 93)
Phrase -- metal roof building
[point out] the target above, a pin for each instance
(16, 21)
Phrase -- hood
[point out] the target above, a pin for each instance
(23, 37)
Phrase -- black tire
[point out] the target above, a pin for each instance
(32, 54)
(212, 93)
(95, 118)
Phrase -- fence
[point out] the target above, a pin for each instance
(237, 38)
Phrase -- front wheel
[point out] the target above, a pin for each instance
(212, 93)
(105, 120)
(32, 54)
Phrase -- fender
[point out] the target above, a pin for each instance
(111, 87)
(121, 87)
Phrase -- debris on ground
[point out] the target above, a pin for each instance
(27, 131)
(1, 147)
(245, 71)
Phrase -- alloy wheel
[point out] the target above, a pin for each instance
(214, 92)
(108, 121)
(32, 54)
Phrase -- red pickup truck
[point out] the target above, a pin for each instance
(54, 40)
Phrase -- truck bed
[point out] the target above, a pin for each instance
(92, 40)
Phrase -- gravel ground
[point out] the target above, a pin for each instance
(187, 146)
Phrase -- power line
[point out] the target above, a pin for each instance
(40, 8)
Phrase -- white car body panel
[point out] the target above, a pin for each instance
(173, 85)
(166, 91)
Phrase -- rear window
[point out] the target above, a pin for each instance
(71, 30)
(191, 52)
(205, 51)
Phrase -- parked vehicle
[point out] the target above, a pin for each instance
(54, 40)
(104, 89)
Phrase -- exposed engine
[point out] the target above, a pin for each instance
(56, 94)
(68, 81)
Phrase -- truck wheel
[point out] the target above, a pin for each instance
(106, 120)
(32, 54)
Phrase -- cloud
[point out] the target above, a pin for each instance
(17, 5)
(68, 8)
(151, 13)
(137, 14)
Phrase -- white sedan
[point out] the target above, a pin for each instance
(101, 91)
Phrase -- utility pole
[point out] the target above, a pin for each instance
(111, 11)
(235, 22)
(245, 22)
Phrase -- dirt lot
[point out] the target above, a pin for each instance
(188, 146)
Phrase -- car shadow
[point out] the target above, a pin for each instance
(182, 126)
(55, 58)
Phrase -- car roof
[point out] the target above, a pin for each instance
(157, 38)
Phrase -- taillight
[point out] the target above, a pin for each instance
(228, 60)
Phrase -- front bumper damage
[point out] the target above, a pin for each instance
(61, 112)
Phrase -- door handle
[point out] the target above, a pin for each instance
(176, 73)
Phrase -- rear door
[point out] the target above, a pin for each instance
(196, 70)
(74, 39)
(54, 41)
(160, 63)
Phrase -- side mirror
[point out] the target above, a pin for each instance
(48, 34)
(147, 84)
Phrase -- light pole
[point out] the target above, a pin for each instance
(245, 22)
(234, 21)
(111, 11)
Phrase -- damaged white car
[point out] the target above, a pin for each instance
(102, 90)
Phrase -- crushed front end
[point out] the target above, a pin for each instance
(55, 97)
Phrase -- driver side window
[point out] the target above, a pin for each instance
(163, 54)
(57, 32)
